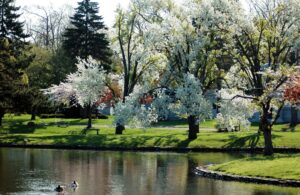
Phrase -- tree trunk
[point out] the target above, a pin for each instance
(1, 116)
(193, 127)
(89, 110)
(268, 150)
(294, 116)
(126, 87)
(266, 129)
(119, 129)
(33, 113)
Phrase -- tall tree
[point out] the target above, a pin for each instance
(13, 58)
(86, 35)
(40, 76)
(131, 41)
(85, 86)
(263, 43)
(195, 41)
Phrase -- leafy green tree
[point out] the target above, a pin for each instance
(86, 35)
(40, 76)
(62, 65)
(13, 59)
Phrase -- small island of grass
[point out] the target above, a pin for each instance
(279, 166)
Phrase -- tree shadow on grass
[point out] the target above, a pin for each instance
(20, 128)
(274, 157)
(20, 139)
(291, 129)
(171, 141)
(246, 141)
(113, 141)
(240, 142)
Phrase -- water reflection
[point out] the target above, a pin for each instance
(38, 171)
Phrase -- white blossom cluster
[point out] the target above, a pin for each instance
(234, 111)
(62, 93)
(85, 85)
(190, 100)
(133, 113)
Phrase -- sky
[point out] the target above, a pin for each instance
(107, 7)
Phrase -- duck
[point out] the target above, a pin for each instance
(74, 184)
(59, 188)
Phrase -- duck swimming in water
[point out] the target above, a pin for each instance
(59, 188)
(74, 184)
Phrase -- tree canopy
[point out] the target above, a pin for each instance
(86, 36)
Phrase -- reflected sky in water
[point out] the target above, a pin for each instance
(39, 171)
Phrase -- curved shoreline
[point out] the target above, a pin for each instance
(166, 149)
(203, 171)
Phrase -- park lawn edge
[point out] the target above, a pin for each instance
(279, 166)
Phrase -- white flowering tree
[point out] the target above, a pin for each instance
(195, 38)
(264, 39)
(190, 103)
(234, 111)
(130, 40)
(134, 112)
(85, 86)
(264, 42)
(186, 100)
(182, 40)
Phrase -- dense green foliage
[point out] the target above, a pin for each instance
(284, 166)
(84, 38)
(13, 59)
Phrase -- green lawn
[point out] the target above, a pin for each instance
(184, 124)
(53, 131)
(280, 166)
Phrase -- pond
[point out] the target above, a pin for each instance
(39, 171)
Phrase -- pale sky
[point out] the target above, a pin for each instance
(107, 7)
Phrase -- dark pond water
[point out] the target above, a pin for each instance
(39, 171)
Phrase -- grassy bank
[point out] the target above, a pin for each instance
(69, 132)
(280, 166)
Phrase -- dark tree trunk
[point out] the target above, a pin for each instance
(126, 87)
(33, 113)
(267, 131)
(193, 127)
(294, 117)
(1, 116)
(89, 112)
(119, 129)
(268, 150)
(197, 127)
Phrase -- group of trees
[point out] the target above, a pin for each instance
(13, 58)
(221, 45)
(46, 53)
(178, 55)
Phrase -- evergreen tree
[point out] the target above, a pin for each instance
(13, 57)
(85, 38)
(10, 27)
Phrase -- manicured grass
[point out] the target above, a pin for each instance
(280, 166)
(53, 131)
(184, 124)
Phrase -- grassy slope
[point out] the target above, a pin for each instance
(48, 132)
(282, 166)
